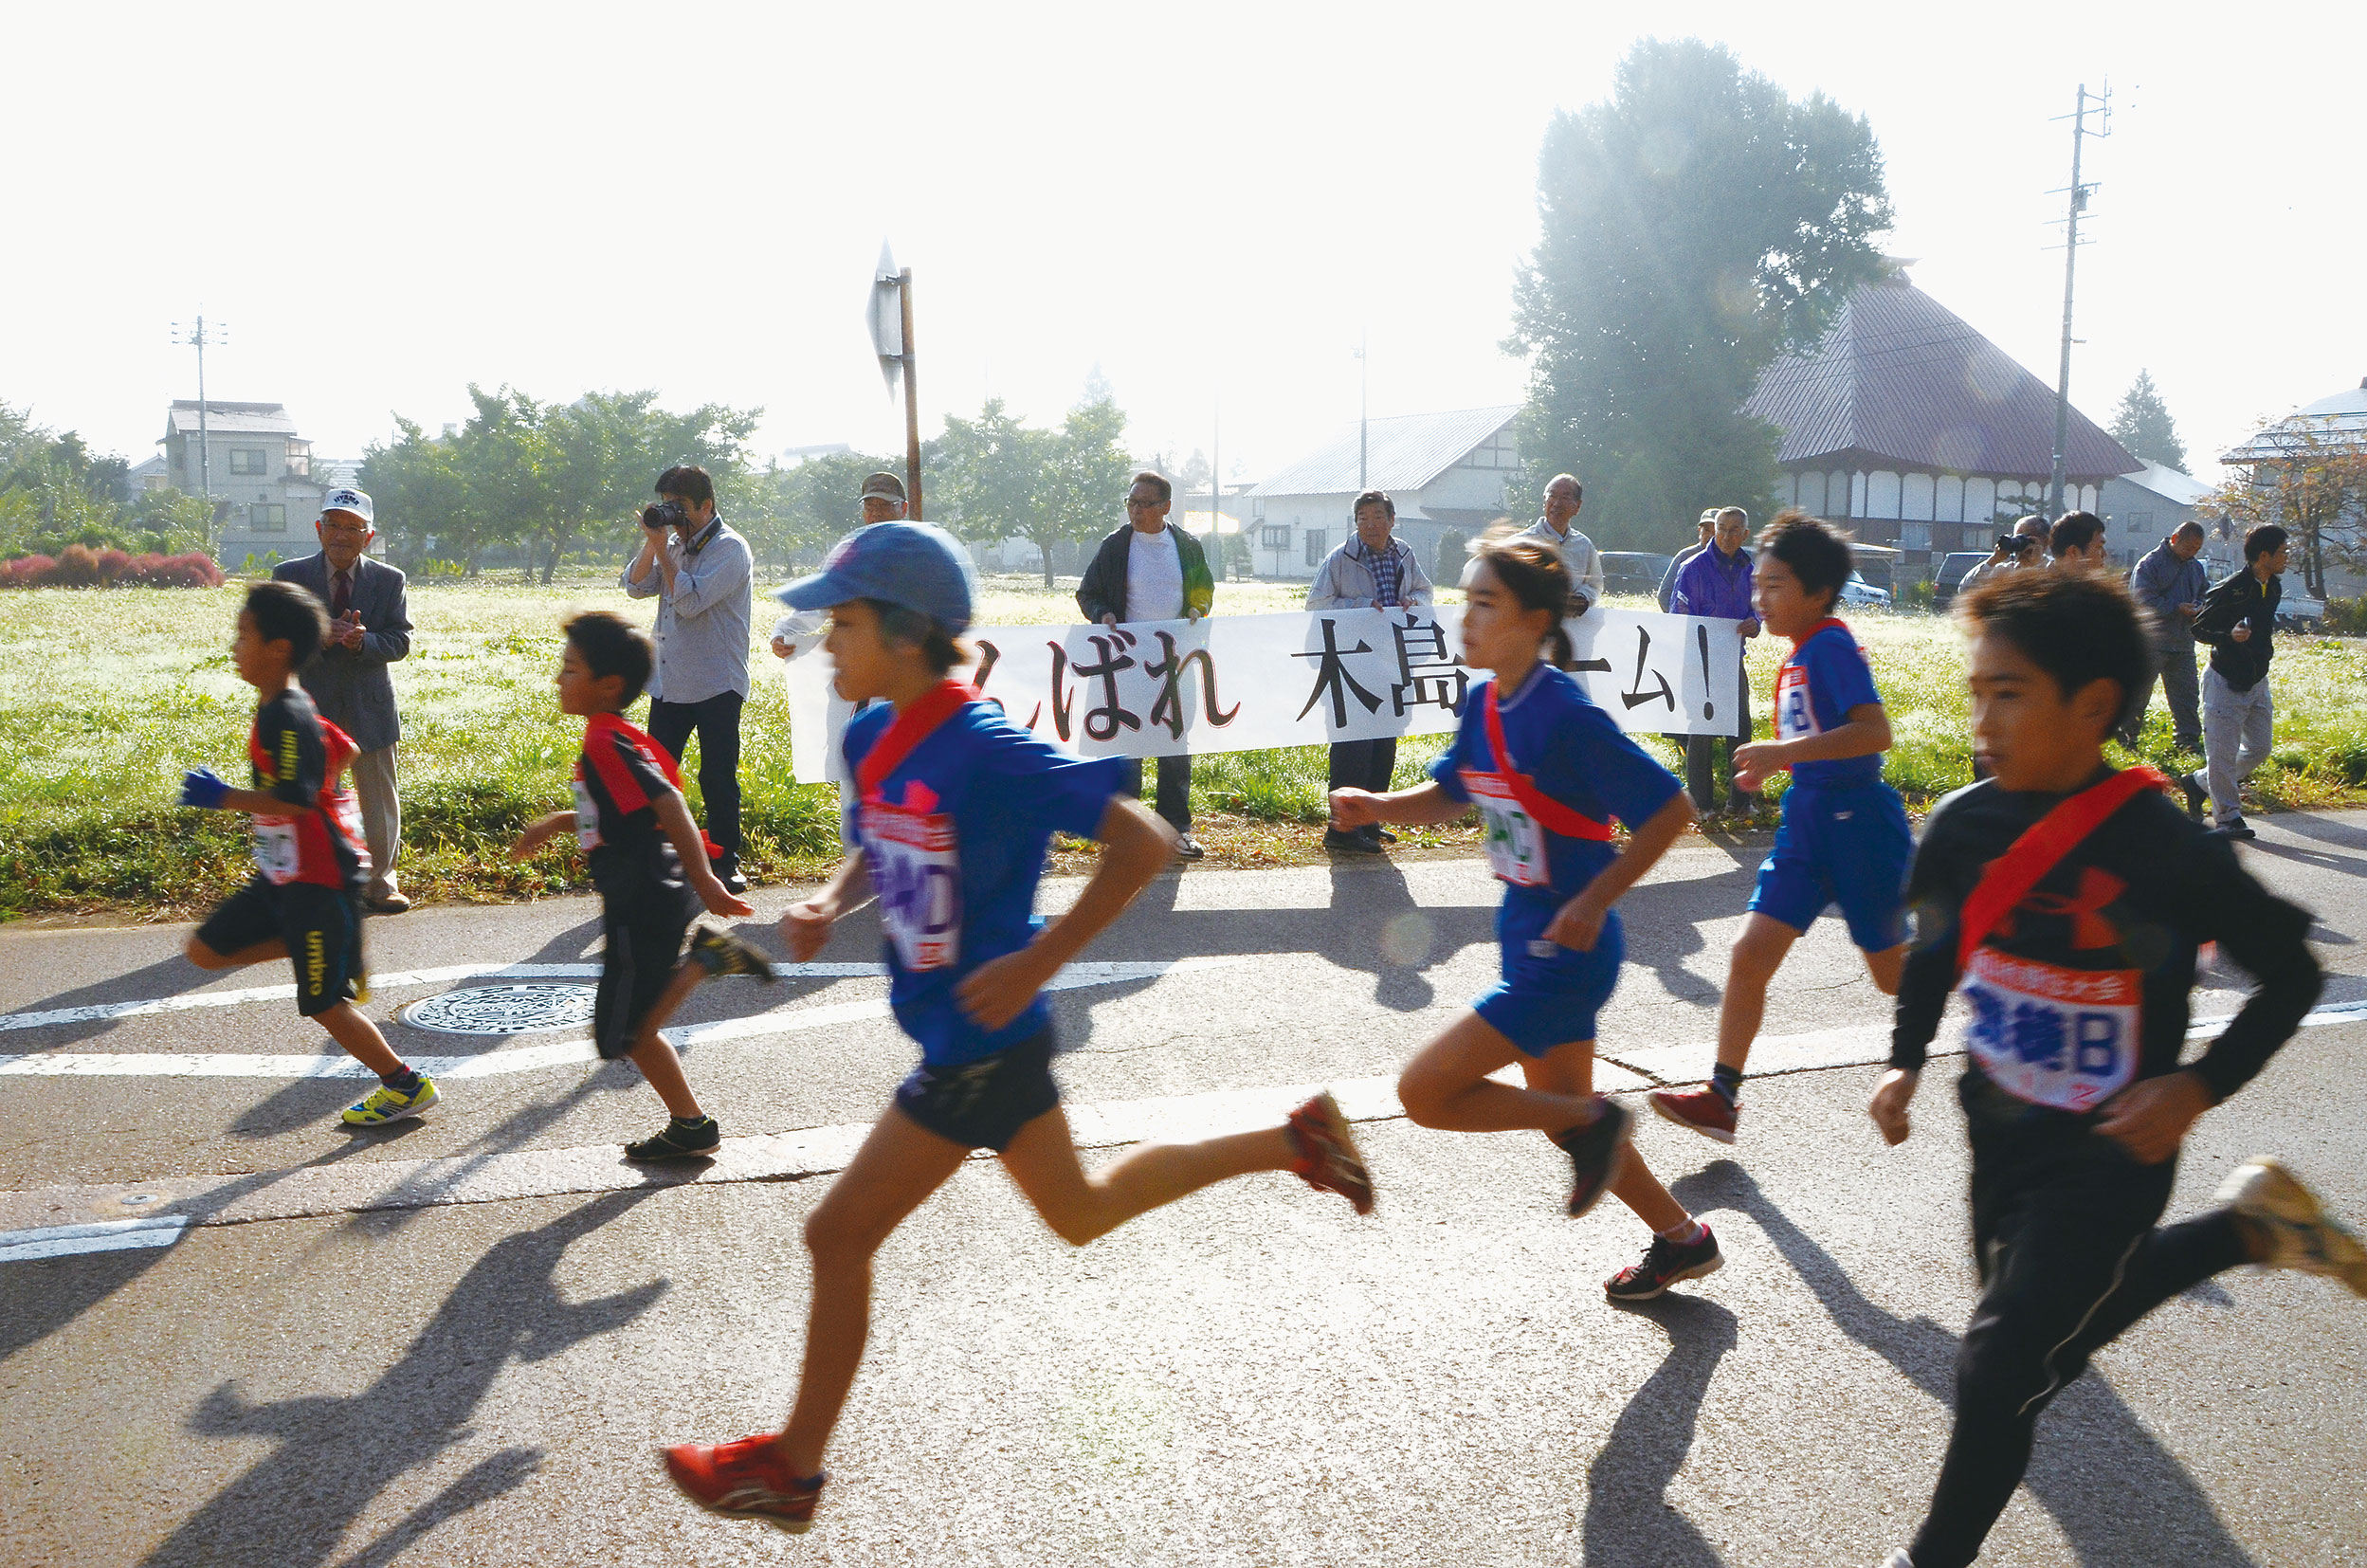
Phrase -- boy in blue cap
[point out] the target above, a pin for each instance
(954, 807)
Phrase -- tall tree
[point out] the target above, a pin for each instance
(2142, 424)
(1695, 226)
(2314, 487)
(1002, 480)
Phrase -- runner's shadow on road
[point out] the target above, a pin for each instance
(2323, 860)
(39, 1297)
(170, 977)
(1628, 1518)
(336, 1453)
(2093, 1453)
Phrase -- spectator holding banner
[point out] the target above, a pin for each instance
(1717, 582)
(1150, 572)
(1678, 562)
(1375, 570)
(700, 572)
(370, 627)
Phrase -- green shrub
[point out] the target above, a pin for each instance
(2345, 618)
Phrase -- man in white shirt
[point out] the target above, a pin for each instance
(1150, 572)
(1558, 527)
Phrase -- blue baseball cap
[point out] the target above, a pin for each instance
(911, 564)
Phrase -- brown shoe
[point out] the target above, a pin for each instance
(392, 903)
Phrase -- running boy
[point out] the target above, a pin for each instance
(955, 808)
(653, 868)
(1842, 837)
(2068, 900)
(1548, 771)
(304, 900)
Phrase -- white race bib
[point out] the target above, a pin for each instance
(2060, 1037)
(1516, 840)
(586, 817)
(1795, 716)
(276, 855)
(917, 868)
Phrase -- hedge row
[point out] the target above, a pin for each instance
(80, 566)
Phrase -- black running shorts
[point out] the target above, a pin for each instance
(321, 925)
(644, 944)
(982, 1104)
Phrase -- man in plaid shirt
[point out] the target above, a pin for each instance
(1373, 571)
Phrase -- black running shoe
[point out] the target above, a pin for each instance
(676, 1141)
(2194, 797)
(1596, 1151)
(1665, 1263)
(719, 953)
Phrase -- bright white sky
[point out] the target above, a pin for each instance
(1212, 204)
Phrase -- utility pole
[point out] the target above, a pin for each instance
(2079, 133)
(1364, 414)
(1216, 482)
(197, 338)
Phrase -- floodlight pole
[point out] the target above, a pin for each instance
(912, 402)
(1364, 412)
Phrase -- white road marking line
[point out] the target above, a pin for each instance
(501, 1063)
(116, 1235)
(402, 1184)
(397, 980)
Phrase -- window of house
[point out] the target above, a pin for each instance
(246, 460)
(1315, 547)
(2142, 522)
(1274, 536)
(266, 518)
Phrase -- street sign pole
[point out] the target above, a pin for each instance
(891, 339)
(911, 400)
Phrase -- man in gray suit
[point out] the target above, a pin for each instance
(370, 627)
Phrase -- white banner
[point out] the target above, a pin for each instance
(1250, 682)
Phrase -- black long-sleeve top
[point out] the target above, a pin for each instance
(2242, 600)
(2142, 892)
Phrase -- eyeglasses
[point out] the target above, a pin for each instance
(1136, 504)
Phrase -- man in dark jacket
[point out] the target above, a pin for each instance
(1149, 572)
(370, 627)
(2238, 619)
(2169, 585)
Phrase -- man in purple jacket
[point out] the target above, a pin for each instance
(1717, 582)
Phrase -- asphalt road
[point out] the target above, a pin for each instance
(463, 1341)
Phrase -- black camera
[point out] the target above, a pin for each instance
(2015, 543)
(664, 514)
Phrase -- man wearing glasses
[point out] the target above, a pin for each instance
(1149, 572)
(370, 627)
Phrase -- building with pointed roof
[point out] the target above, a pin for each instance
(1917, 431)
(2337, 422)
(1453, 472)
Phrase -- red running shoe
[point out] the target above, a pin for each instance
(745, 1480)
(1328, 1161)
(1705, 1110)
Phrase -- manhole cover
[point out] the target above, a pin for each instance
(503, 1010)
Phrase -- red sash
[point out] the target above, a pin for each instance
(2043, 843)
(909, 728)
(1550, 812)
(666, 765)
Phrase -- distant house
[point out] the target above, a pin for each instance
(2337, 421)
(1454, 473)
(1919, 432)
(2143, 508)
(258, 469)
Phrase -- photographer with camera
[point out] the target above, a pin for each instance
(700, 574)
(2024, 546)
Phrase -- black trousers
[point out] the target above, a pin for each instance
(2064, 1232)
(716, 720)
(1701, 752)
(1363, 764)
(1175, 789)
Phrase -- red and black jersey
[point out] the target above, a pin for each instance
(619, 776)
(2084, 984)
(299, 757)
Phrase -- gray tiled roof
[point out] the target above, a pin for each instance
(1899, 378)
(231, 418)
(2337, 421)
(1405, 453)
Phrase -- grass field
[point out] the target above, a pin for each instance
(111, 694)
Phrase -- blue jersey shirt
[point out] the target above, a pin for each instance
(1825, 678)
(956, 852)
(1575, 753)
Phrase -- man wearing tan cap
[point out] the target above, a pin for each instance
(882, 499)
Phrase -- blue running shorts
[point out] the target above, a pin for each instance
(1849, 846)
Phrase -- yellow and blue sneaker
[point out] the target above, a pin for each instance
(382, 1104)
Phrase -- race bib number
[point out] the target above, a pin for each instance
(2060, 1037)
(1794, 714)
(276, 854)
(917, 868)
(1516, 840)
(586, 817)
